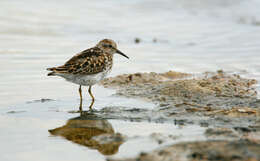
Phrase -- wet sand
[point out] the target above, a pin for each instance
(225, 104)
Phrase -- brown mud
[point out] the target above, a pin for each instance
(203, 151)
(224, 103)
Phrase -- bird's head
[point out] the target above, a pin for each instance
(109, 46)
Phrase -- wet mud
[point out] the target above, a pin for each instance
(242, 150)
(226, 104)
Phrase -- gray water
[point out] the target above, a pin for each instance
(191, 36)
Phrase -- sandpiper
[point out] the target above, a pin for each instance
(89, 66)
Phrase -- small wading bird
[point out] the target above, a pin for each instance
(89, 66)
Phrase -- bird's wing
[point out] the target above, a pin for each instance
(90, 61)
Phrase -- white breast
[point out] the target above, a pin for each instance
(85, 80)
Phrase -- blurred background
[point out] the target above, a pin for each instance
(182, 35)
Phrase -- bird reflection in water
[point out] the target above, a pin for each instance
(91, 131)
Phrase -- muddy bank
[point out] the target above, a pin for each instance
(204, 150)
(213, 99)
(212, 95)
(224, 103)
(215, 90)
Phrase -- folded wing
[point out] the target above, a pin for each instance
(90, 61)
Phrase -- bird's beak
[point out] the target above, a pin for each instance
(119, 52)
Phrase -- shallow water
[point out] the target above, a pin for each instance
(194, 37)
(25, 136)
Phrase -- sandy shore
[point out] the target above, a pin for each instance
(225, 104)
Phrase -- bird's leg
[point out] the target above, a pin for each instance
(93, 99)
(80, 105)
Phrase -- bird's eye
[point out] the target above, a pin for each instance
(107, 46)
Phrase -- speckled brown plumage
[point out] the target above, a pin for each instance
(90, 61)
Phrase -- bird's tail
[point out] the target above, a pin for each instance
(51, 74)
(55, 70)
